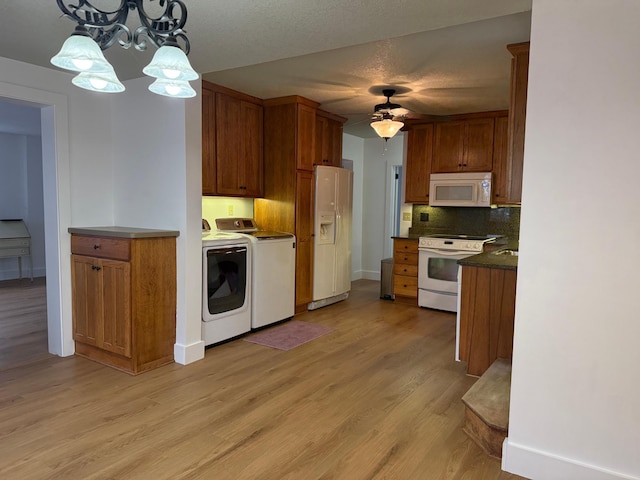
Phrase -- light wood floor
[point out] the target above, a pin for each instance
(379, 397)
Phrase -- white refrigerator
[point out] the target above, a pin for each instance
(332, 236)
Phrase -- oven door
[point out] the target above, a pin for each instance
(224, 281)
(438, 270)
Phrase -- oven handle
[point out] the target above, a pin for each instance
(447, 253)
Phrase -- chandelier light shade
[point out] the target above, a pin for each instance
(170, 63)
(99, 82)
(98, 29)
(387, 128)
(79, 53)
(172, 88)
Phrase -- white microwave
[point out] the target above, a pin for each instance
(466, 189)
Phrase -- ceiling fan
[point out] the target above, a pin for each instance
(388, 109)
(387, 117)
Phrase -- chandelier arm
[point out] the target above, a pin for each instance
(85, 13)
(107, 27)
(168, 23)
(107, 38)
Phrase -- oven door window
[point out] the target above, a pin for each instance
(226, 279)
(444, 269)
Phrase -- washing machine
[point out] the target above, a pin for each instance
(226, 286)
(273, 271)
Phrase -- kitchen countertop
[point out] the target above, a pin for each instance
(123, 232)
(489, 259)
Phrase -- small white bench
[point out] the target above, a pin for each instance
(15, 241)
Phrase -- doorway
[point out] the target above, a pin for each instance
(57, 208)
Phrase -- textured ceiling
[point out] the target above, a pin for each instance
(449, 55)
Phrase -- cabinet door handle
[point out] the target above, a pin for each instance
(93, 267)
(96, 246)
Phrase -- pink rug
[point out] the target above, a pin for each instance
(289, 335)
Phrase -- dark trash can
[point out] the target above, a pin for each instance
(386, 279)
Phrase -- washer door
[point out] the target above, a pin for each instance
(225, 280)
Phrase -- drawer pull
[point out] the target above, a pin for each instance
(96, 246)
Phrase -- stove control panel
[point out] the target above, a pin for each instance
(453, 244)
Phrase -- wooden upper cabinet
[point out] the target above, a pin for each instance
(232, 152)
(463, 146)
(328, 147)
(448, 149)
(418, 167)
(306, 137)
(208, 141)
(500, 186)
(517, 118)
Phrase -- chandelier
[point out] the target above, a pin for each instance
(97, 30)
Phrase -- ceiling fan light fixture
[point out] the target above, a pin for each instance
(387, 128)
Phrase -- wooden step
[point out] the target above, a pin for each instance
(487, 408)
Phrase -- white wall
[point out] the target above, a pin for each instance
(224, 207)
(21, 190)
(574, 398)
(378, 163)
(35, 202)
(156, 185)
(13, 178)
(353, 149)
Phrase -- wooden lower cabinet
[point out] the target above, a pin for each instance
(124, 300)
(487, 310)
(405, 270)
(304, 239)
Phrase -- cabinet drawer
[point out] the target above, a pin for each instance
(405, 246)
(404, 269)
(116, 248)
(405, 258)
(405, 286)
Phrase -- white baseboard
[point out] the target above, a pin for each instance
(536, 464)
(186, 354)
(371, 275)
(356, 275)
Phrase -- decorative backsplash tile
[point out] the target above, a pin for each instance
(466, 221)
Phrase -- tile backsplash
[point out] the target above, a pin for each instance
(466, 221)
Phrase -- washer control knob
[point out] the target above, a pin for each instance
(477, 245)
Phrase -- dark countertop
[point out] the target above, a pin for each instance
(123, 232)
(411, 236)
(489, 259)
